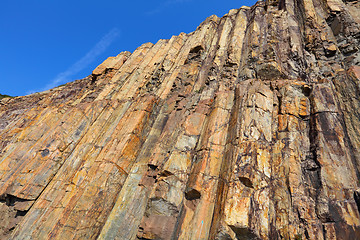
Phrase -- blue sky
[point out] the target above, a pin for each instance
(46, 43)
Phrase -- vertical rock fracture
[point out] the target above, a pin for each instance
(246, 128)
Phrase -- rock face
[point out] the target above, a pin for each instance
(247, 128)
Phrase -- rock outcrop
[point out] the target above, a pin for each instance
(247, 128)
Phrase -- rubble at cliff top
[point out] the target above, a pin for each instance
(246, 128)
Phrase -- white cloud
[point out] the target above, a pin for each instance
(89, 57)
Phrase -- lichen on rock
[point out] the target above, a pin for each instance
(246, 128)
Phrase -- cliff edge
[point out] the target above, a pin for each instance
(247, 128)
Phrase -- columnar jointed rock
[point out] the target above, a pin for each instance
(247, 128)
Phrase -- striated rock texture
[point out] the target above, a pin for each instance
(247, 128)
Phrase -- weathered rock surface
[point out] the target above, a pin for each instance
(247, 128)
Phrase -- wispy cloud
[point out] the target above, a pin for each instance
(165, 4)
(89, 57)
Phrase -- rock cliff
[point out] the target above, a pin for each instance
(247, 128)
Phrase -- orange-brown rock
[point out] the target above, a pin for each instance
(247, 128)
